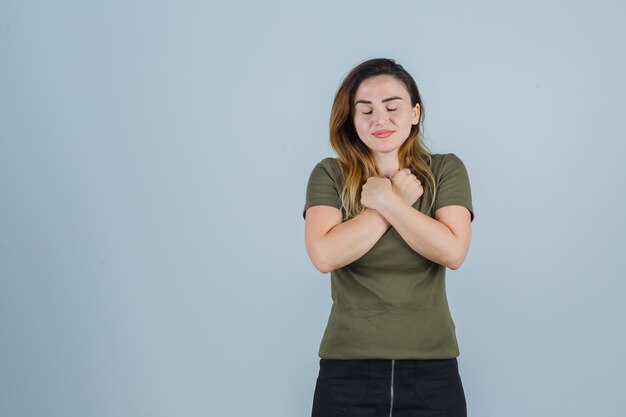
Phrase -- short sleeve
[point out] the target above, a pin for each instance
(322, 187)
(454, 185)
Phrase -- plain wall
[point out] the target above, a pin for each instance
(153, 165)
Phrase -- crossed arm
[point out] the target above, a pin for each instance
(444, 239)
(332, 244)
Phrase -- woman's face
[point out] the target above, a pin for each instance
(383, 114)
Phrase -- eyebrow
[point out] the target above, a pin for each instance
(382, 101)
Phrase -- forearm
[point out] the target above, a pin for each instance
(425, 235)
(348, 241)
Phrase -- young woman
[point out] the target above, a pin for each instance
(386, 217)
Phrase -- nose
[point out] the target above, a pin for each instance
(381, 117)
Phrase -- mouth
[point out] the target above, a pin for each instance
(382, 133)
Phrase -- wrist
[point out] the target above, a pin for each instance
(379, 215)
(389, 204)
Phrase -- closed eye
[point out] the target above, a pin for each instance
(387, 109)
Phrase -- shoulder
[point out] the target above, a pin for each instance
(445, 157)
(445, 162)
(330, 162)
(331, 166)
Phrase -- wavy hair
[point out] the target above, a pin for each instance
(355, 160)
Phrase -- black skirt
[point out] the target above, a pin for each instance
(389, 388)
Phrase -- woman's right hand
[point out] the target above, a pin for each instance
(407, 186)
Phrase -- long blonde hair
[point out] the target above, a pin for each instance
(355, 160)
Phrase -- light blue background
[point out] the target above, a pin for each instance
(153, 164)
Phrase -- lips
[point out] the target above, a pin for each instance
(383, 133)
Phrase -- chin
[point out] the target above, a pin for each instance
(384, 149)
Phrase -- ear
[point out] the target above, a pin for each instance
(416, 114)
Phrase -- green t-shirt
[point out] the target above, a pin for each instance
(390, 303)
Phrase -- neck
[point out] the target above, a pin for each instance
(387, 165)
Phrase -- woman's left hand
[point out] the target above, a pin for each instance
(376, 191)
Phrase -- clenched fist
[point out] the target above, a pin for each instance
(407, 186)
(375, 192)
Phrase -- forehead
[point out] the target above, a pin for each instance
(380, 87)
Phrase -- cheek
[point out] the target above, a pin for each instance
(361, 129)
(359, 125)
(406, 120)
